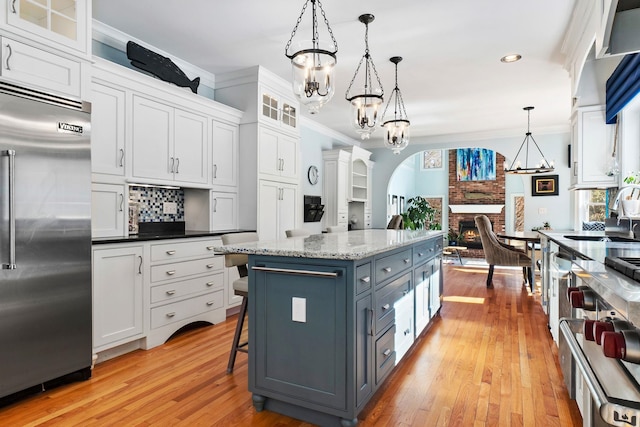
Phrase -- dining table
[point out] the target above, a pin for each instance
(531, 239)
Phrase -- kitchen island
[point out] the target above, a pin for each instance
(331, 315)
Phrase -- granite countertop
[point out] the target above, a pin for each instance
(347, 245)
(162, 236)
(593, 249)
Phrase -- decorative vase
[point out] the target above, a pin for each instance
(630, 208)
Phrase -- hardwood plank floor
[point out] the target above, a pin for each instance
(488, 360)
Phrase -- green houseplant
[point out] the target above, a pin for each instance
(420, 215)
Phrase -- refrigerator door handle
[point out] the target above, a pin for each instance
(12, 215)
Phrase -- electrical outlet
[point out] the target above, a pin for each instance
(170, 208)
(542, 211)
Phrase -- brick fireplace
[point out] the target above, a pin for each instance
(470, 198)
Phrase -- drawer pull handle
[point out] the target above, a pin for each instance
(405, 292)
(407, 331)
(210, 265)
(386, 352)
(386, 307)
(171, 272)
(171, 292)
(387, 269)
(209, 283)
(209, 248)
(171, 252)
(172, 314)
(430, 249)
(420, 253)
(365, 279)
(406, 260)
(210, 303)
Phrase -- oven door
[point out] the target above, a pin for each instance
(606, 392)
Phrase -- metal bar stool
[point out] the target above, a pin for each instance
(240, 287)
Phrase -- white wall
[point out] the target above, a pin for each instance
(554, 209)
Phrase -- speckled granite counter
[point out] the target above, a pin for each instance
(351, 245)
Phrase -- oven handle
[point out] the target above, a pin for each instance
(581, 360)
(608, 410)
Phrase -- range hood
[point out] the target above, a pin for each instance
(621, 28)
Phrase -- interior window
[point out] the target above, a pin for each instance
(595, 206)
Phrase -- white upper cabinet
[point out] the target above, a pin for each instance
(55, 23)
(277, 110)
(278, 154)
(225, 155)
(168, 143)
(107, 130)
(592, 146)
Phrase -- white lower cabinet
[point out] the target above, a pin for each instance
(117, 295)
(108, 210)
(224, 211)
(277, 208)
(436, 281)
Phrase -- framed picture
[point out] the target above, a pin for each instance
(544, 185)
(432, 159)
(475, 164)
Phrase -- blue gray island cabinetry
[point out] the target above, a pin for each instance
(331, 315)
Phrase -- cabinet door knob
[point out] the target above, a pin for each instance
(210, 303)
(209, 248)
(171, 252)
(210, 265)
(420, 253)
(365, 279)
(171, 272)
(407, 331)
(386, 352)
(172, 292)
(386, 307)
(387, 269)
(171, 314)
(407, 260)
(209, 284)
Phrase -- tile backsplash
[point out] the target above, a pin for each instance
(151, 199)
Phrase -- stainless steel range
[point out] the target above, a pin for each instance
(604, 341)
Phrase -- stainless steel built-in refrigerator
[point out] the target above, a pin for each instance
(45, 239)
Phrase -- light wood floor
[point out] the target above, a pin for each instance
(487, 361)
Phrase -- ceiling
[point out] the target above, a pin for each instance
(451, 78)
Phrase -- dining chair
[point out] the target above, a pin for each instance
(240, 288)
(396, 223)
(297, 232)
(499, 253)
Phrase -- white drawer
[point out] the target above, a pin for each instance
(176, 270)
(175, 250)
(170, 313)
(178, 290)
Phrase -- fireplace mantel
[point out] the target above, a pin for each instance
(476, 209)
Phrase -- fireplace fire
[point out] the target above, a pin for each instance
(470, 235)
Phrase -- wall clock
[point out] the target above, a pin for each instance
(312, 175)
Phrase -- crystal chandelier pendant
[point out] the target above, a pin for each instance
(313, 63)
(367, 99)
(397, 130)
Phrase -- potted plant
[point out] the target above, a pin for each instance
(453, 237)
(631, 201)
(420, 215)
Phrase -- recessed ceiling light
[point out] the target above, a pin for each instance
(511, 58)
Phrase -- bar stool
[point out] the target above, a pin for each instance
(240, 287)
(297, 232)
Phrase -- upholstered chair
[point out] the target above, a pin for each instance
(396, 223)
(498, 253)
(297, 232)
(240, 287)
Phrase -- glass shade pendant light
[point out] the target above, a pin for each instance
(313, 62)
(366, 102)
(397, 129)
(516, 167)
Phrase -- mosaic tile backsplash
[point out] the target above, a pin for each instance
(151, 199)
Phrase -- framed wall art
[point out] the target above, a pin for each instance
(432, 159)
(475, 164)
(544, 185)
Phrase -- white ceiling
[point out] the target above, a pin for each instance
(451, 78)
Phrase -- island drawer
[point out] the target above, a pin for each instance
(175, 250)
(363, 278)
(385, 300)
(390, 265)
(424, 251)
(385, 354)
(178, 290)
(176, 270)
(170, 313)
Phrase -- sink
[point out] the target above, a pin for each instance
(601, 238)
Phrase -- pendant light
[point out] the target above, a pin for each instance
(516, 167)
(365, 104)
(397, 129)
(313, 63)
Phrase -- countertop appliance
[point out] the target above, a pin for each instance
(45, 239)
